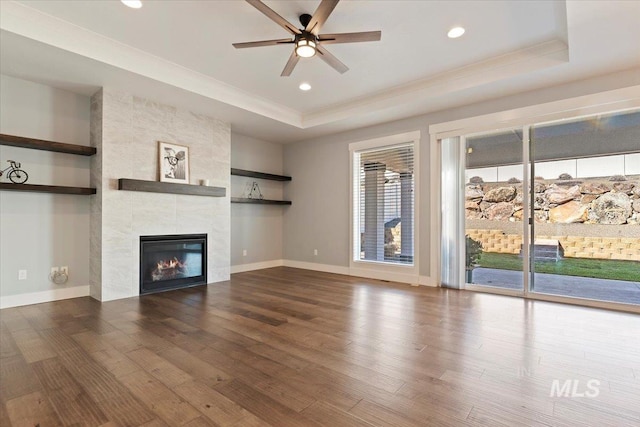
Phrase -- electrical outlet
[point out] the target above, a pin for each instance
(315, 252)
(64, 270)
(244, 252)
(54, 270)
(22, 274)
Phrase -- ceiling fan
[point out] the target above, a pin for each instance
(308, 41)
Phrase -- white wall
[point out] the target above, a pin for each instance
(319, 217)
(37, 230)
(256, 228)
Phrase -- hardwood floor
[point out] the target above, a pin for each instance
(288, 347)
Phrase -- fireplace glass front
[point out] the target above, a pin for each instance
(172, 262)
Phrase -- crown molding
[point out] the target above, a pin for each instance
(532, 58)
(28, 22)
(33, 24)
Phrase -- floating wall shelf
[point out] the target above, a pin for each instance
(259, 175)
(259, 201)
(58, 147)
(54, 189)
(40, 144)
(171, 188)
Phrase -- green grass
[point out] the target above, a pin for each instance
(583, 267)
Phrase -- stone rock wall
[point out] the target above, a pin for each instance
(610, 201)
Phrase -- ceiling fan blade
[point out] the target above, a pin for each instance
(271, 14)
(327, 57)
(320, 15)
(367, 36)
(291, 64)
(262, 43)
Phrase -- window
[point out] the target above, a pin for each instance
(383, 205)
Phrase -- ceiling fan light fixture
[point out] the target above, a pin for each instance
(306, 46)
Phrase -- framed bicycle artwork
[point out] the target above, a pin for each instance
(15, 174)
(174, 162)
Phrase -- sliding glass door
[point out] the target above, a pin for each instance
(548, 210)
(494, 200)
(586, 205)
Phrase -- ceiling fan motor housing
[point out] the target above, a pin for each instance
(305, 18)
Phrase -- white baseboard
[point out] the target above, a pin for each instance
(336, 269)
(390, 276)
(256, 266)
(326, 268)
(428, 281)
(43, 296)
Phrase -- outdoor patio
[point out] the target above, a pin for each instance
(572, 286)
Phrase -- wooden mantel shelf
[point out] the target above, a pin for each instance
(54, 189)
(259, 201)
(259, 175)
(171, 188)
(40, 144)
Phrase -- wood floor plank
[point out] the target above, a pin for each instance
(32, 346)
(294, 398)
(381, 416)
(17, 378)
(8, 346)
(287, 347)
(279, 356)
(169, 334)
(32, 410)
(13, 320)
(265, 407)
(4, 415)
(115, 362)
(358, 371)
(91, 341)
(200, 422)
(206, 373)
(71, 402)
(215, 406)
(61, 342)
(328, 415)
(167, 405)
(166, 372)
(125, 410)
(156, 423)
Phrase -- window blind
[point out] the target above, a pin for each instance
(384, 204)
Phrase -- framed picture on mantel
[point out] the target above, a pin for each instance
(174, 162)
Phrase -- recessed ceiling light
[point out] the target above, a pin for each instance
(305, 86)
(455, 32)
(134, 4)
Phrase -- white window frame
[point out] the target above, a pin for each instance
(378, 269)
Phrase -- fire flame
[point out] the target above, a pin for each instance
(172, 263)
(169, 269)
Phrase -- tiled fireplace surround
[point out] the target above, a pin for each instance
(126, 129)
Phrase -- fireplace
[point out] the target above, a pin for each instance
(172, 262)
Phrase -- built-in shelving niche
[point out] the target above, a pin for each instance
(57, 147)
(259, 175)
